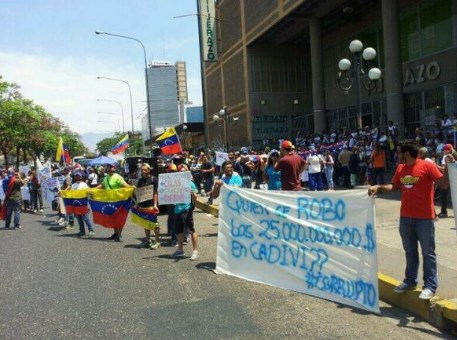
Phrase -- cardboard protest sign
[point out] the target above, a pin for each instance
(51, 188)
(174, 187)
(144, 193)
(2, 193)
(315, 243)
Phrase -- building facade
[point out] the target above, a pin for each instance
(163, 102)
(277, 67)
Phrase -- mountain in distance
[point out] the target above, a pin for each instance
(90, 139)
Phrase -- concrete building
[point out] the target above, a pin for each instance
(163, 100)
(277, 67)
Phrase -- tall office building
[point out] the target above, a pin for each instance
(163, 101)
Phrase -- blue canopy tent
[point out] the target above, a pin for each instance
(103, 160)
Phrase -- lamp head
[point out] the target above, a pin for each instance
(344, 64)
(216, 117)
(355, 46)
(369, 53)
(222, 111)
(98, 32)
(375, 73)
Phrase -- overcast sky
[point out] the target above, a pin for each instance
(49, 48)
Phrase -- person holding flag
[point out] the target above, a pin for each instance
(75, 201)
(145, 213)
(110, 182)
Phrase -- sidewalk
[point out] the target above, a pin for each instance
(441, 311)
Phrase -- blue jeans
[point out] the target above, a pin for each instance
(84, 219)
(329, 175)
(12, 206)
(315, 182)
(412, 232)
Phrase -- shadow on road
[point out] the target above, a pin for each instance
(211, 266)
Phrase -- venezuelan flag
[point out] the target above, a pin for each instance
(121, 146)
(110, 208)
(60, 152)
(169, 142)
(75, 201)
(145, 218)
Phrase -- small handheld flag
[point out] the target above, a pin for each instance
(121, 146)
(169, 142)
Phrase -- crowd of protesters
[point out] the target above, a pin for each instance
(322, 161)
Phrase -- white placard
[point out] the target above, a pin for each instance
(51, 188)
(144, 193)
(25, 193)
(174, 187)
(316, 243)
(221, 157)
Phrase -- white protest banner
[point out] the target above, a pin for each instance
(44, 174)
(25, 194)
(24, 169)
(221, 157)
(316, 243)
(144, 193)
(174, 187)
(52, 186)
(452, 171)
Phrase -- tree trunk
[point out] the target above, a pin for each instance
(5, 156)
(18, 156)
(24, 155)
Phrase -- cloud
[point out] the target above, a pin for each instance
(68, 87)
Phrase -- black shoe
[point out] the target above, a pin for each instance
(112, 237)
(81, 234)
(117, 238)
(442, 215)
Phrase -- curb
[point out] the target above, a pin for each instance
(439, 312)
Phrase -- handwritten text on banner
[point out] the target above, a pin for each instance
(174, 187)
(319, 244)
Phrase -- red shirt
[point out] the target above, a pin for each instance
(290, 166)
(416, 183)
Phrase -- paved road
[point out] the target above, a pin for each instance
(54, 285)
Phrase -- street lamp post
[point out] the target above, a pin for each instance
(184, 130)
(367, 76)
(223, 116)
(145, 70)
(130, 92)
(122, 109)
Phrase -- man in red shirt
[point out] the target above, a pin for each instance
(291, 166)
(416, 177)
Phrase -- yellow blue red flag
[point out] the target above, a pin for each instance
(75, 201)
(121, 146)
(110, 208)
(169, 142)
(145, 218)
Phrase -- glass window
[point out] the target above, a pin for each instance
(426, 29)
(409, 35)
(436, 25)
